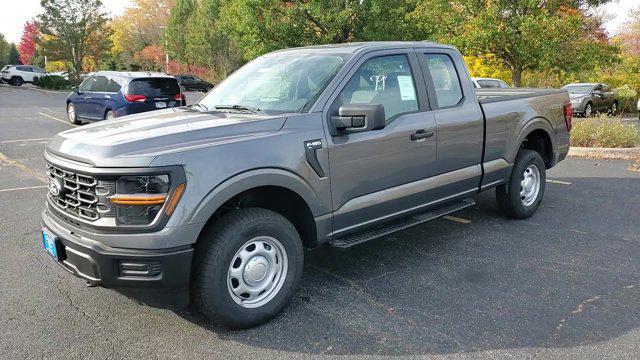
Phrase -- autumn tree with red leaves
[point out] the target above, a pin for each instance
(27, 46)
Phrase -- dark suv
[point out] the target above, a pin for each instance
(587, 98)
(192, 82)
(109, 94)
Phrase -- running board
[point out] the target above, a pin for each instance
(400, 224)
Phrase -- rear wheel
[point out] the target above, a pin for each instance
(247, 266)
(521, 196)
(71, 114)
(110, 115)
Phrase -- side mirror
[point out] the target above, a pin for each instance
(359, 117)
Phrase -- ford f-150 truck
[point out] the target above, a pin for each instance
(212, 204)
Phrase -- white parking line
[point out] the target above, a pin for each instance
(21, 140)
(55, 118)
(456, 219)
(558, 182)
(24, 188)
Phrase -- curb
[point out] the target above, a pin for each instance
(606, 153)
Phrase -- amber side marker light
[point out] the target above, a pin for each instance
(138, 199)
(175, 197)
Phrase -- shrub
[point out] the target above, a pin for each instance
(52, 82)
(607, 133)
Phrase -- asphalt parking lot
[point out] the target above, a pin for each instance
(562, 284)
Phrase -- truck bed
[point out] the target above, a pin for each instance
(487, 95)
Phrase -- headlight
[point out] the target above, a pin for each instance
(139, 199)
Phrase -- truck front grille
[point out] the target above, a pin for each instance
(81, 195)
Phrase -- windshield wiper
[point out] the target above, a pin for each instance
(198, 105)
(253, 109)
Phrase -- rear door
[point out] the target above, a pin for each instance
(159, 93)
(379, 174)
(459, 119)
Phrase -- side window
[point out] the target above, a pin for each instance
(87, 84)
(385, 80)
(445, 79)
(100, 84)
(112, 86)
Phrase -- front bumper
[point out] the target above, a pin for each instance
(155, 277)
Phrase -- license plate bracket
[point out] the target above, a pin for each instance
(52, 245)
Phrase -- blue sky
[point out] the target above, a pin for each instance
(15, 13)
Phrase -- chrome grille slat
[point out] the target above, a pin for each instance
(84, 197)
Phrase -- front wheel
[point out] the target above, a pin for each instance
(614, 108)
(588, 110)
(521, 196)
(71, 114)
(247, 266)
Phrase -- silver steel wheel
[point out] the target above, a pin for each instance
(588, 110)
(257, 271)
(110, 116)
(614, 108)
(71, 112)
(530, 185)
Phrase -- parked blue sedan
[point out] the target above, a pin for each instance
(110, 94)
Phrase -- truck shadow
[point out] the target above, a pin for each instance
(564, 278)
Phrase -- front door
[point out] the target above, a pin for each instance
(379, 174)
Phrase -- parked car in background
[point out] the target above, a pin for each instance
(489, 83)
(17, 75)
(192, 82)
(109, 94)
(587, 98)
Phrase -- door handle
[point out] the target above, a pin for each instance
(421, 134)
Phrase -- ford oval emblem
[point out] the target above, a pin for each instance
(55, 187)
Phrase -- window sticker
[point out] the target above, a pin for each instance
(407, 92)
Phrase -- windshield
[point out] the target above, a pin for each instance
(275, 84)
(578, 89)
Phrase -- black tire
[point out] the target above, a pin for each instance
(588, 110)
(614, 108)
(510, 200)
(213, 257)
(109, 115)
(73, 119)
(17, 81)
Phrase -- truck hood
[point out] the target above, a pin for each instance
(134, 141)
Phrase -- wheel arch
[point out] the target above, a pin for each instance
(537, 136)
(274, 189)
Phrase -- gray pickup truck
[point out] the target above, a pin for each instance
(333, 145)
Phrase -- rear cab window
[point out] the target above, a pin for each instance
(154, 87)
(444, 80)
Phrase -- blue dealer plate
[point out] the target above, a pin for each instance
(51, 243)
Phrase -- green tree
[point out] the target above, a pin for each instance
(175, 34)
(14, 55)
(525, 35)
(207, 45)
(259, 26)
(4, 51)
(76, 31)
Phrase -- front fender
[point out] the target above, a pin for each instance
(257, 178)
